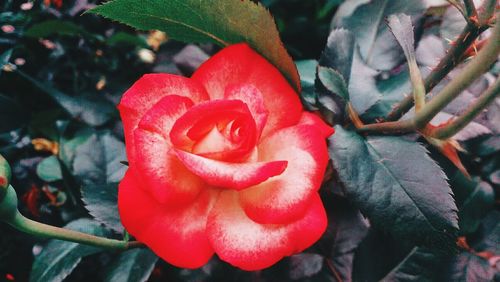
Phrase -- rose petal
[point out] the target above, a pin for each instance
(177, 236)
(163, 115)
(239, 65)
(308, 118)
(252, 246)
(200, 130)
(146, 92)
(165, 177)
(236, 176)
(284, 198)
(252, 97)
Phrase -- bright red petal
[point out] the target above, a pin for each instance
(240, 65)
(236, 176)
(252, 97)
(284, 198)
(165, 177)
(252, 246)
(308, 118)
(177, 236)
(146, 92)
(163, 115)
(222, 129)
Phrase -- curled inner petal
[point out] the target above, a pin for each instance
(220, 129)
(231, 175)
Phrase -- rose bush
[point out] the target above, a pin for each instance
(224, 162)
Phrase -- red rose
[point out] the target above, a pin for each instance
(226, 161)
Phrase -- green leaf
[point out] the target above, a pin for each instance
(70, 141)
(341, 55)
(4, 58)
(220, 21)
(12, 116)
(131, 266)
(397, 185)
(127, 38)
(94, 111)
(334, 82)
(307, 73)
(475, 207)
(402, 28)
(339, 52)
(49, 169)
(51, 27)
(59, 258)
(366, 20)
(101, 200)
(421, 265)
(469, 267)
(97, 160)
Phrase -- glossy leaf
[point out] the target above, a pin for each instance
(12, 115)
(98, 159)
(307, 72)
(397, 185)
(49, 169)
(131, 266)
(220, 22)
(50, 27)
(367, 23)
(101, 200)
(58, 258)
(92, 110)
(421, 264)
(333, 82)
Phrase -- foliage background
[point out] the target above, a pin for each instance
(63, 72)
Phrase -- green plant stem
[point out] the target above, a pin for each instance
(402, 126)
(454, 56)
(470, 9)
(460, 122)
(35, 228)
(480, 64)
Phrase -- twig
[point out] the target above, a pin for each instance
(480, 64)
(460, 122)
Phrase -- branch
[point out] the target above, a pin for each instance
(454, 56)
(459, 123)
(470, 9)
(480, 64)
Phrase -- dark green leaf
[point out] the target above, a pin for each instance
(50, 27)
(333, 82)
(342, 56)
(49, 169)
(221, 22)
(469, 267)
(397, 185)
(101, 200)
(93, 110)
(307, 73)
(339, 52)
(131, 266)
(421, 264)
(58, 258)
(479, 202)
(305, 265)
(346, 229)
(127, 38)
(367, 22)
(68, 143)
(97, 161)
(12, 115)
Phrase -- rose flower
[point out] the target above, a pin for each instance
(224, 162)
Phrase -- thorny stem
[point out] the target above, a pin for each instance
(454, 56)
(480, 64)
(460, 122)
(470, 9)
